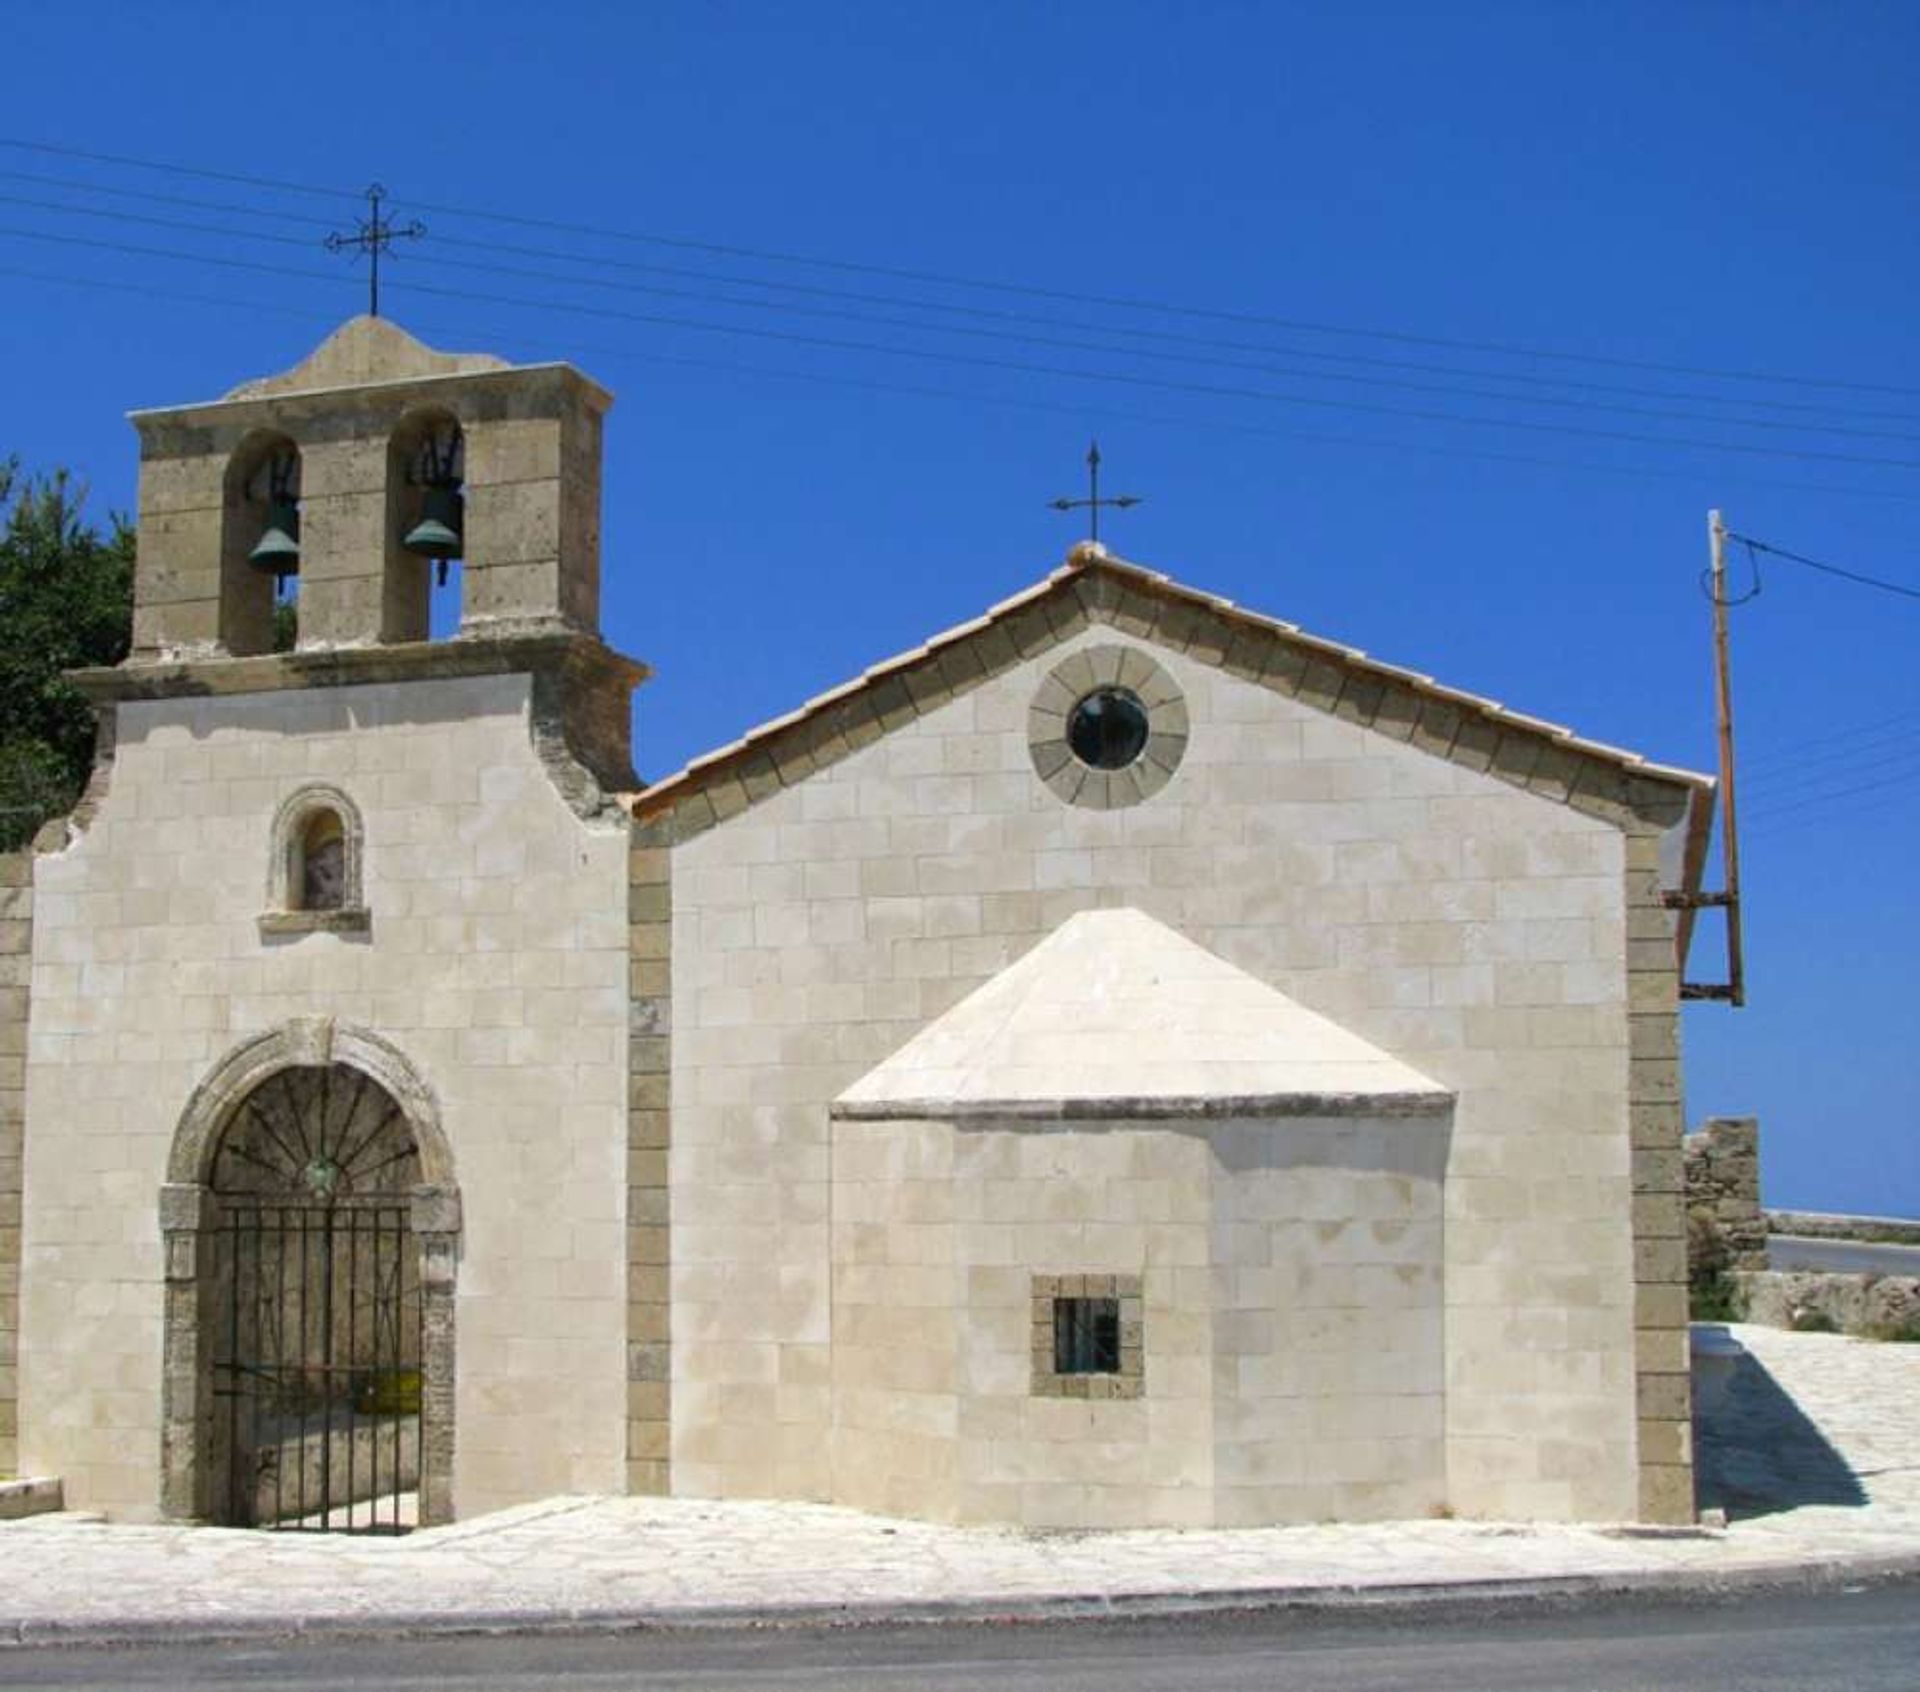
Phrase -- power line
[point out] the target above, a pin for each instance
(944, 307)
(996, 335)
(1880, 582)
(239, 178)
(1020, 366)
(1859, 746)
(153, 196)
(1886, 798)
(223, 302)
(1857, 736)
(1902, 781)
(1216, 342)
(1781, 797)
(1124, 303)
(942, 279)
(151, 222)
(1001, 401)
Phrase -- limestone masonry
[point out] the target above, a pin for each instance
(1126, 1062)
(1726, 1227)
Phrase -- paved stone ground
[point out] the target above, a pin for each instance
(1814, 1451)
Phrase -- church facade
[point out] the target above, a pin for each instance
(1127, 1061)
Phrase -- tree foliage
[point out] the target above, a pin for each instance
(66, 600)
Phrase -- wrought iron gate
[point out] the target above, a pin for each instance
(316, 1313)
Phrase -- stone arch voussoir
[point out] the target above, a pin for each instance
(309, 1042)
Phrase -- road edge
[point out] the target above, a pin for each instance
(32, 1633)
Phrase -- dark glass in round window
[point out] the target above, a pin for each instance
(1108, 728)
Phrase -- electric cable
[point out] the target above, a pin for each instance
(634, 355)
(1902, 589)
(936, 278)
(1021, 366)
(154, 197)
(1905, 780)
(1777, 797)
(735, 279)
(1863, 807)
(1859, 735)
(1104, 349)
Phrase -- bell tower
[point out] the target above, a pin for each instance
(362, 471)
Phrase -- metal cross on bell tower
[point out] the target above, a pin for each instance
(1093, 502)
(375, 236)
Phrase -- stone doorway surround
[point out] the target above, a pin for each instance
(187, 1217)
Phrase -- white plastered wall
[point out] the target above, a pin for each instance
(1475, 931)
(496, 962)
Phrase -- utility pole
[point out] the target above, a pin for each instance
(1723, 711)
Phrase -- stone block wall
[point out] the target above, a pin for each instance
(649, 1195)
(1328, 1270)
(533, 443)
(1726, 1227)
(1477, 931)
(496, 959)
(16, 957)
(940, 1231)
(1663, 1388)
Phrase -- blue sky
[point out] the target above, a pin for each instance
(1696, 220)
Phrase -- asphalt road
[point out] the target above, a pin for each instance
(1863, 1639)
(1849, 1257)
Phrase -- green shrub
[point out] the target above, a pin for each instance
(1714, 1297)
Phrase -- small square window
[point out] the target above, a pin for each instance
(1086, 1336)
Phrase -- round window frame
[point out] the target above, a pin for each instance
(1130, 725)
(1091, 670)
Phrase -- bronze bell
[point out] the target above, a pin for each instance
(277, 551)
(438, 534)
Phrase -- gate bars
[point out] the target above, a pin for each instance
(317, 1366)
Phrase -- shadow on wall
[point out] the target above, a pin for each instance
(1758, 1453)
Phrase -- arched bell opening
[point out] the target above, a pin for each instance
(260, 545)
(426, 523)
(310, 1292)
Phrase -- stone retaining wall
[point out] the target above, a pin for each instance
(16, 959)
(1877, 1306)
(1821, 1225)
(1726, 1228)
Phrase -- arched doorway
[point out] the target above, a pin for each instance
(311, 1228)
(312, 1312)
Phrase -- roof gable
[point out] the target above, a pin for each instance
(1093, 587)
(1115, 1014)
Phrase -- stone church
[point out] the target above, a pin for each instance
(1125, 1061)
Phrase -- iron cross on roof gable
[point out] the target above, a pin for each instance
(1093, 502)
(375, 236)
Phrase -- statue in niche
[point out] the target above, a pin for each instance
(323, 864)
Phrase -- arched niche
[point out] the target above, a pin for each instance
(264, 470)
(426, 453)
(195, 1205)
(315, 865)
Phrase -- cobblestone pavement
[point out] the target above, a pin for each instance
(1814, 1450)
